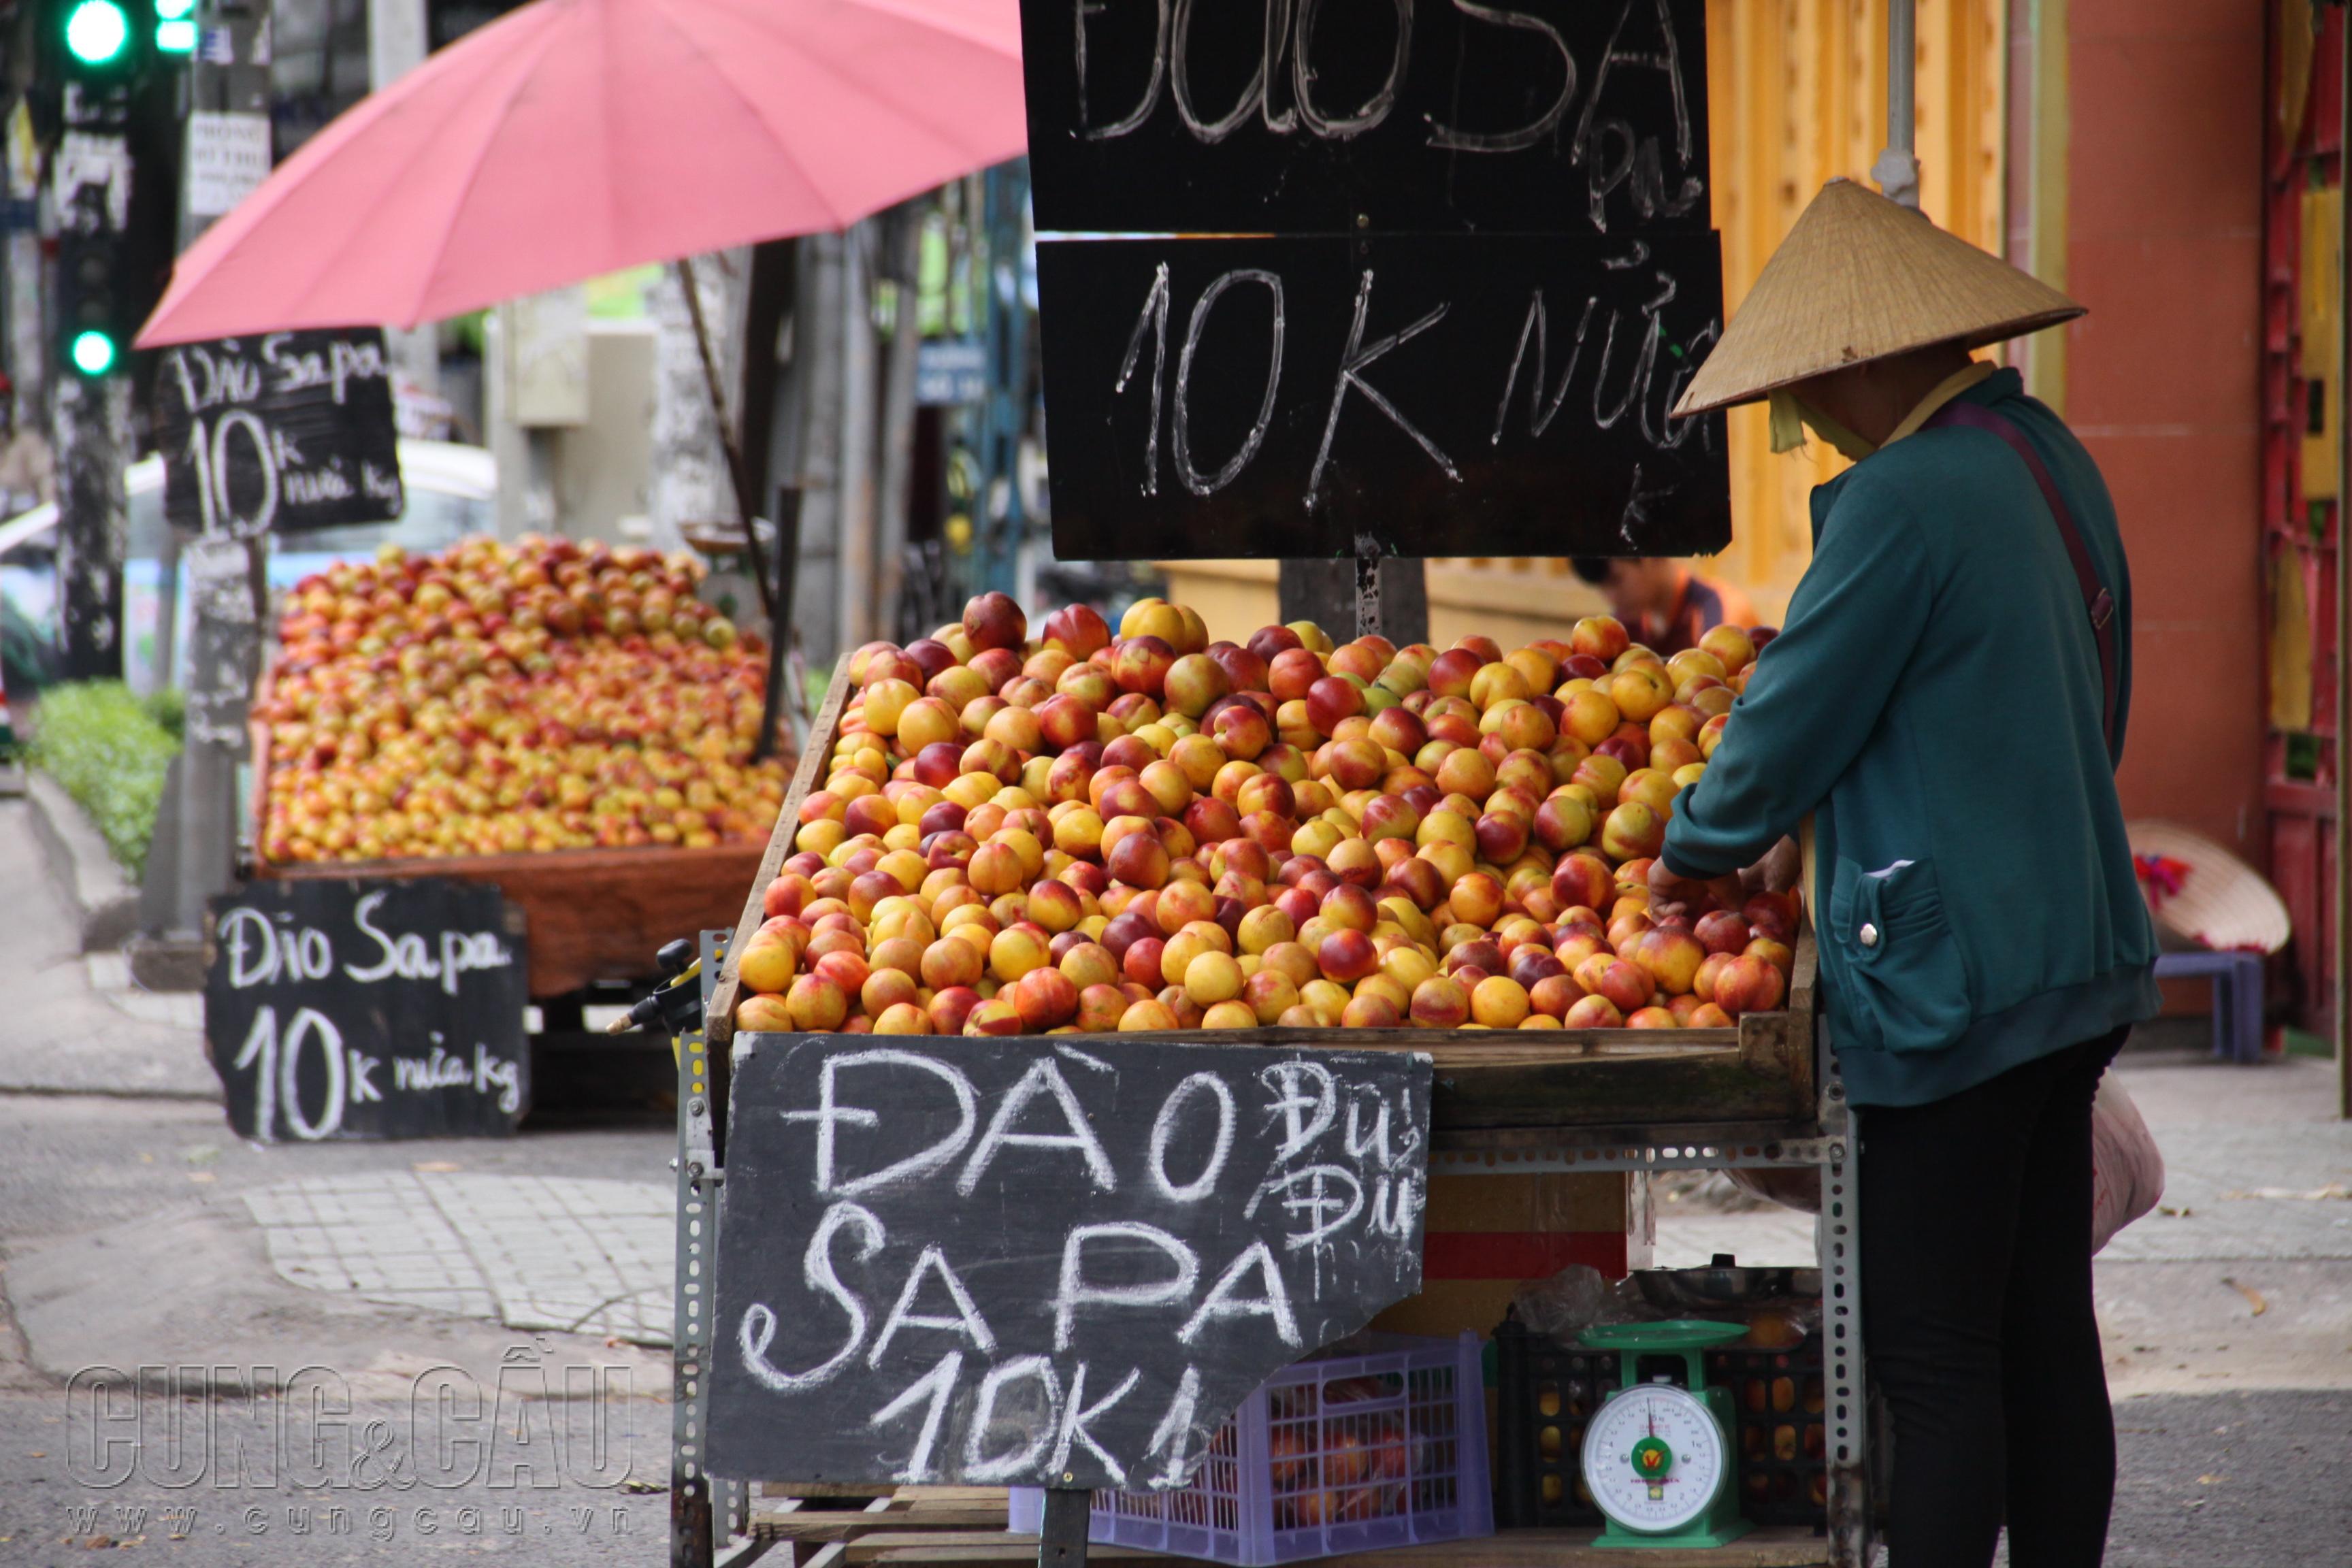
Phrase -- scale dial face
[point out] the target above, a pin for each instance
(1654, 1458)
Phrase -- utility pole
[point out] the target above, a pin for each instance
(398, 41)
(227, 152)
(90, 201)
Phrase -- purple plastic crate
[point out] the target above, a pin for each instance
(1341, 1453)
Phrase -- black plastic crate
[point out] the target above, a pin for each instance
(1545, 1392)
(1783, 1431)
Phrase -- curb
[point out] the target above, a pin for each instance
(102, 896)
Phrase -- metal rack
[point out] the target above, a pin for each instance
(709, 1517)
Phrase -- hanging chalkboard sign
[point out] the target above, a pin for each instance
(1448, 395)
(280, 433)
(1583, 117)
(1009, 1261)
(363, 1010)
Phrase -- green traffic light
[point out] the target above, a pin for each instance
(173, 10)
(93, 352)
(176, 37)
(97, 32)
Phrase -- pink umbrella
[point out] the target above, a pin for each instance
(575, 137)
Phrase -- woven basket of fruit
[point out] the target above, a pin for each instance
(1147, 830)
(564, 720)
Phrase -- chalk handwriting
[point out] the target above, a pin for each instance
(289, 430)
(970, 1264)
(333, 1012)
(1600, 94)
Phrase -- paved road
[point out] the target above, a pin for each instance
(2233, 1480)
(141, 1205)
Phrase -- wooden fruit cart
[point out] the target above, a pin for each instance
(592, 914)
(1763, 1095)
(589, 918)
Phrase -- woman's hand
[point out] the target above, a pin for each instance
(1672, 895)
(1778, 872)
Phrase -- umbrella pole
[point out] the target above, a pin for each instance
(736, 474)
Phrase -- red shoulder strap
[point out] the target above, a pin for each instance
(2097, 603)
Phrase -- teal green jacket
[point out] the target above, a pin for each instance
(1934, 701)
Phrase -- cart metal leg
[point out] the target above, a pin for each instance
(705, 1514)
(1838, 1238)
(1062, 1537)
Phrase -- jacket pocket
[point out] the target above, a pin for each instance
(1905, 977)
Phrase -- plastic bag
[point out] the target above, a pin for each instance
(1624, 1303)
(2126, 1167)
(1792, 1186)
(1564, 1305)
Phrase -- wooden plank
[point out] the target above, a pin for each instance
(1774, 1548)
(718, 1025)
(834, 1526)
(981, 1546)
(1781, 1547)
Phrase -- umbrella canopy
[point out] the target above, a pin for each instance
(575, 137)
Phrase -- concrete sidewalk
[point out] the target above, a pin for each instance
(137, 1227)
(76, 1024)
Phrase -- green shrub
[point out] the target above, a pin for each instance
(103, 746)
(169, 707)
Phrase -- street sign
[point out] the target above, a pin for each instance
(351, 1010)
(1300, 117)
(282, 432)
(228, 157)
(1441, 396)
(951, 372)
(1001, 1262)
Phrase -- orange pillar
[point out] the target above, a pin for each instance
(2165, 246)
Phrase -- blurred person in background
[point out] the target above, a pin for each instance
(1663, 602)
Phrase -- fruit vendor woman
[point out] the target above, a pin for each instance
(1946, 703)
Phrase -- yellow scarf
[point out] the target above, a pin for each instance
(1790, 415)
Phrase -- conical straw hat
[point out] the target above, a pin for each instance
(1860, 277)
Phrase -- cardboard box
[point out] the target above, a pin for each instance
(1486, 1233)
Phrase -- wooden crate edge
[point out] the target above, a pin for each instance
(719, 1023)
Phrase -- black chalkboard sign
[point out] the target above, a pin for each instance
(1432, 395)
(1010, 1261)
(361, 1010)
(1303, 116)
(282, 433)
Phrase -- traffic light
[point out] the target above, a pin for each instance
(176, 27)
(96, 34)
(93, 305)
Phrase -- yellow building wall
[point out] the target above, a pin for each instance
(1796, 95)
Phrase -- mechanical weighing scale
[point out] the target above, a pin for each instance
(1658, 1456)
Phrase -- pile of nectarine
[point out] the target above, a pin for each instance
(1154, 831)
(504, 698)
